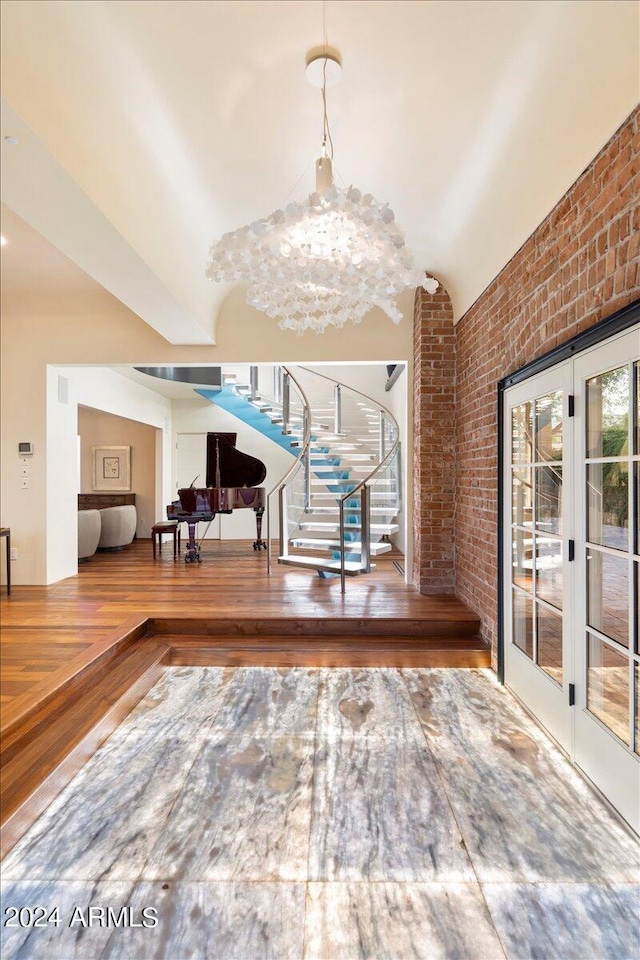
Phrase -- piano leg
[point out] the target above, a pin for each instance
(192, 552)
(259, 543)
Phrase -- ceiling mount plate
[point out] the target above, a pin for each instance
(316, 71)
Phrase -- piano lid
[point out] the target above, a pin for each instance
(228, 466)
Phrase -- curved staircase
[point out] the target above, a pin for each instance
(340, 498)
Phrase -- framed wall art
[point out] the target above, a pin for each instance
(111, 468)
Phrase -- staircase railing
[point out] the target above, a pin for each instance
(286, 385)
(388, 452)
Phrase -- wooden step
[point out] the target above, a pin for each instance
(326, 651)
(447, 618)
(45, 745)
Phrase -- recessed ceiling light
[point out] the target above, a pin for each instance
(3, 240)
(12, 140)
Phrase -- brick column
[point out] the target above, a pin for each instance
(434, 443)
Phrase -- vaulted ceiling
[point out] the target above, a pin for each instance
(147, 129)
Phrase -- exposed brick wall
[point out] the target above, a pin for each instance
(579, 266)
(434, 437)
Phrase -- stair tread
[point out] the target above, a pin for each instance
(351, 567)
(333, 480)
(332, 511)
(352, 545)
(336, 497)
(374, 527)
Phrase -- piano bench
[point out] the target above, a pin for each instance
(166, 527)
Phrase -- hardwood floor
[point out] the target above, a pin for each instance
(47, 628)
(75, 656)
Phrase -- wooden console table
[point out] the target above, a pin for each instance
(99, 501)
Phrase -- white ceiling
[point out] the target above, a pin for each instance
(147, 129)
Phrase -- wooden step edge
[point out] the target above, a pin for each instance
(455, 641)
(464, 624)
(23, 802)
(75, 671)
(316, 652)
(99, 683)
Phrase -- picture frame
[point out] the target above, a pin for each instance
(111, 468)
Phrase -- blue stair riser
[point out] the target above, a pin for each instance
(227, 399)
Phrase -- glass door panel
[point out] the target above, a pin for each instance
(523, 623)
(608, 595)
(572, 637)
(548, 497)
(549, 571)
(606, 582)
(608, 686)
(608, 504)
(607, 403)
(549, 649)
(537, 420)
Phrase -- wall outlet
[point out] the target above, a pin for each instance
(13, 554)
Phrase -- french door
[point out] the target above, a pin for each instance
(572, 566)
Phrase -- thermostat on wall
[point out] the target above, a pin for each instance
(25, 448)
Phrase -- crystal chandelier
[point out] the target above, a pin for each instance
(325, 260)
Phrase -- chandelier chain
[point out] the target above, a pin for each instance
(326, 129)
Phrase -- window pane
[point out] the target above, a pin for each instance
(522, 433)
(549, 642)
(549, 570)
(608, 686)
(549, 427)
(523, 496)
(608, 414)
(636, 612)
(608, 504)
(522, 560)
(636, 526)
(608, 595)
(636, 406)
(549, 499)
(523, 623)
(636, 670)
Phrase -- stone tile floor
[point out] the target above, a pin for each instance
(326, 814)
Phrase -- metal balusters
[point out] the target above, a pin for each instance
(253, 382)
(286, 382)
(286, 403)
(365, 529)
(343, 577)
(397, 461)
(382, 438)
(284, 522)
(277, 383)
(269, 551)
(337, 408)
(307, 481)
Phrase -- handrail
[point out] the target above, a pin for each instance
(295, 465)
(382, 409)
(364, 482)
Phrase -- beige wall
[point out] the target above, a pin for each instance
(96, 428)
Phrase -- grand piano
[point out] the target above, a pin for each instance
(232, 484)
